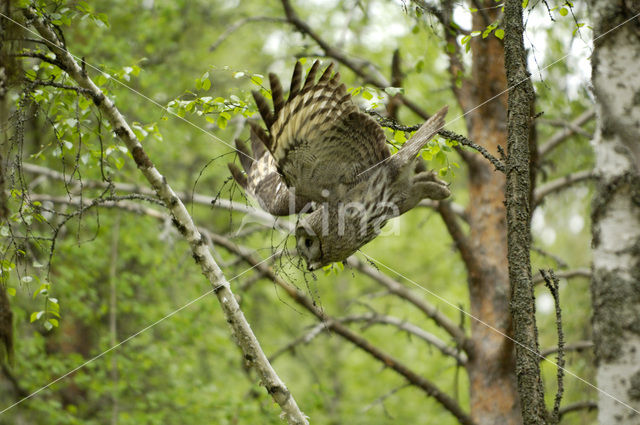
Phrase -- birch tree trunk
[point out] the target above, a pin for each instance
(615, 286)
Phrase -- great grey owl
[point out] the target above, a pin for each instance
(322, 156)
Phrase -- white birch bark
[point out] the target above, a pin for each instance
(242, 332)
(615, 283)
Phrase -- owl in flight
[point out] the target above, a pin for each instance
(322, 156)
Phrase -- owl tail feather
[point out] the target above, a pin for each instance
(238, 176)
(412, 147)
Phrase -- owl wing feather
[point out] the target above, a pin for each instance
(321, 143)
(262, 180)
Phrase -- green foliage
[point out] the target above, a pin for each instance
(187, 369)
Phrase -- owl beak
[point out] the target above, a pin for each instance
(314, 266)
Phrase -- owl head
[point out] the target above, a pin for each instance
(334, 232)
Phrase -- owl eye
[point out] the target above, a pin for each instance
(308, 242)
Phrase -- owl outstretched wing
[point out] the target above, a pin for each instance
(321, 143)
(263, 181)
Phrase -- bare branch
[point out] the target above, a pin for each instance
(400, 290)
(201, 252)
(327, 322)
(565, 133)
(553, 284)
(389, 123)
(460, 239)
(567, 274)
(374, 318)
(581, 405)
(457, 209)
(564, 124)
(576, 346)
(259, 215)
(561, 183)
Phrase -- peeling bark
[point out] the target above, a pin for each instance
(615, 284)
(241, 329)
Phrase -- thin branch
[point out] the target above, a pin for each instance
(568, 125)
(374, 318)
(561, 183)
(259, 215)
(299, 297)
(61, 86)
(463, 245)
(20, 391)
(576, 346)
(565, 133)
(389, 123)
(575, 407)
(401, 291)
(457, 209)
(357, 67)
(201, 252)
(380, 400)
(558, 260)
(566, 274)
(305, 338)
(427, 386)
(553, 284)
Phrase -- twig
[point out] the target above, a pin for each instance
(553, 284)
(558, 260)
(389, 123)
(561, 183)
(565, 133)
(326, 321)
(576, 346)
(574, 407)
(375, 318)
(428, 309)
(182, 220)
(460, 239)
(380, 400)
(567, 274)
(568, 125)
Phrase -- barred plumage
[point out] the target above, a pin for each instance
(320, 152)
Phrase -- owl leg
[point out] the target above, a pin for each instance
(427, 185)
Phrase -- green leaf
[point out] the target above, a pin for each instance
(499, 33)
(222, 122)
(399, 137)
(465, 39)
(392, 91)
(36, 315)
(563, 11)
(11, 291)
(206, 84)
(54, 322)
(525, 3)
(367, 95)
(48, 325)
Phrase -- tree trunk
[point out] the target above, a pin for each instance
(518, 204)
(615, 285)
(493, 387)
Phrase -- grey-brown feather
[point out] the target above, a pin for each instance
(326, 151)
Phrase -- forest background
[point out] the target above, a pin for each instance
(91, 258)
